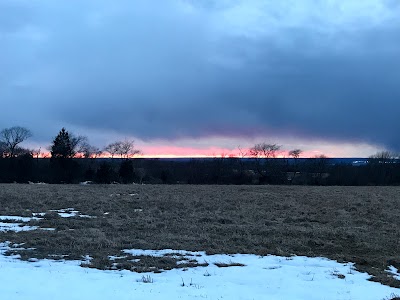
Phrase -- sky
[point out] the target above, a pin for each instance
(186, 77)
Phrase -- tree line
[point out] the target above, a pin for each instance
(72, 160)
(64, 145)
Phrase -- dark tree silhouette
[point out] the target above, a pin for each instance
(267, 168)
(124, 148)
(382, 157)
(89, 151)
(295, 153)
(127, 149)
(126, 171)
(112, 148)
(67, 145)
(264, 150)
(105, 173)
(11, 137)
(63, 149)
(62, 145)
(3, 148)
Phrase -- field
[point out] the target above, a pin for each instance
(348, 224)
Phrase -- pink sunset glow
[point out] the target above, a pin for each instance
(225, 147)
(187, 152)
(193, 152)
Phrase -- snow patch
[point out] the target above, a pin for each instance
(16, 227)
(38, 214)
(267, 277)
(15, 224)
(86, 182)
(18, 218)
(394, 271)
(112, 257)
(161, 253)
(70, 212)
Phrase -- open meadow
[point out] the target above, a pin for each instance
(97, 222)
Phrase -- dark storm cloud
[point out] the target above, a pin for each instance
(175, 70)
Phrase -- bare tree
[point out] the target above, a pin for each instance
(89, 151)
(2, 149)
(382, 157)
(96, 152)
(243, 153)
(264, 150)
(127, 149)
(37, 152)
(262, 153)
(124, 148)
(112, 148)
(22, 151)
(79, 143)
(320, 168)
(295, 153)
(11, 137)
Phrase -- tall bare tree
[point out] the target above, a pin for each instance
(11, 137)
(79, 143)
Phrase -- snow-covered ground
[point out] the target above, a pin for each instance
(268, 277)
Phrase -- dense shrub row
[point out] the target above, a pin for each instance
(313, 171)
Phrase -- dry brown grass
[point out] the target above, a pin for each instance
(357, 224)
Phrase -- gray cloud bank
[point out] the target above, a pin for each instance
(176, 69)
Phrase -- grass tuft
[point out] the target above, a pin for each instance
(146, 279)
(392, 297)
